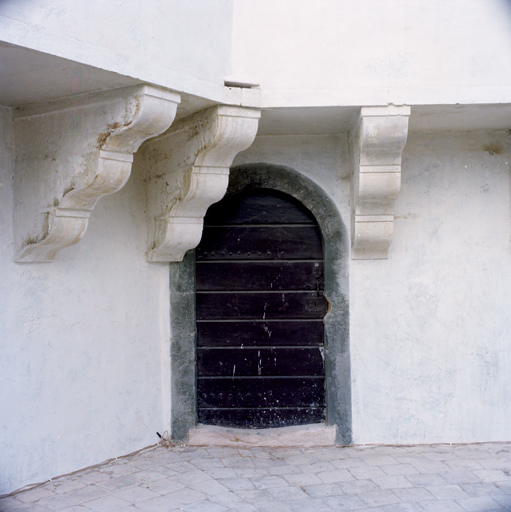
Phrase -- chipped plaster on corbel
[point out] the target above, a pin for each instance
(72, 152)
(377, 139)
(188, 170)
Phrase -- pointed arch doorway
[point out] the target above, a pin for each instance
(337, 389)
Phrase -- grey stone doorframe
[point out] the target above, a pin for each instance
(336, 255)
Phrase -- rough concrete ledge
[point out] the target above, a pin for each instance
(301, 436)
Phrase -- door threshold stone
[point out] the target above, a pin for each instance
(296, 436)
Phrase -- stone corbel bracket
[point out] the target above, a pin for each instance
(72, 152)
(377, 139)
(187, 170)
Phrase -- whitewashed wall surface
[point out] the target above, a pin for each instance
(85, 339)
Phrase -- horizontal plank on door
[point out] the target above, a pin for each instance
(261, 418)
(262, 206)
(264, 275)
(260, 305)
(260, 243)
(260, 361)
(272, 333)
(260, 392)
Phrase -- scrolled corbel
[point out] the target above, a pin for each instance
(72, 152)
(188, 171)
(377, 139)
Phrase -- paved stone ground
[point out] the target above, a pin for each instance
(216, 479)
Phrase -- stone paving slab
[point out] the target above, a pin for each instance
(436, 478)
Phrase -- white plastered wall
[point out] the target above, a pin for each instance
(430, 326)
(369, 52)
(322, 158)
(84, 341)
(181, 45)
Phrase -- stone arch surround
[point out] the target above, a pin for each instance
(336, 254)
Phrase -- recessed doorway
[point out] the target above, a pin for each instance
(185, 346)
(259, 311)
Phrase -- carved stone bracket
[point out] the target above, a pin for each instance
(188, 170)
(377, 139)
(72, 152)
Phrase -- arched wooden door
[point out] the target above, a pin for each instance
(259, 313)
